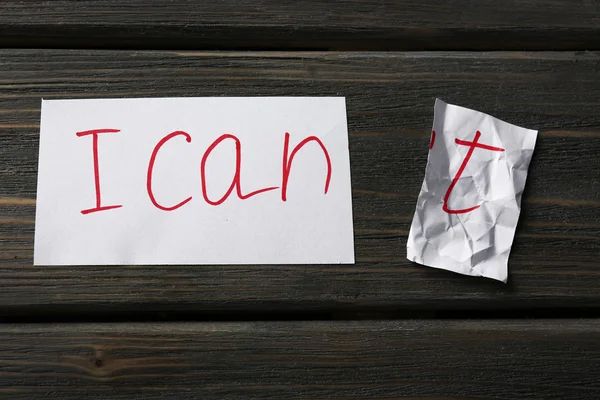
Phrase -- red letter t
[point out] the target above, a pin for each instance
(472, 145)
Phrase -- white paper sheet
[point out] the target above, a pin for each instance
(156, 223)
(469, 204)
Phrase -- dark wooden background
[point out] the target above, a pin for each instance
(382, 328)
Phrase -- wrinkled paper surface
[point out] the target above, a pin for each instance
(469, 204)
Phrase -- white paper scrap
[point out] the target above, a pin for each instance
(255, 180)
(469, 204)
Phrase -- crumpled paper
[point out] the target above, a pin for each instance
(469, 204)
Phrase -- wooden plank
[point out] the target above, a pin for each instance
(304, 24)
(555, 258)
(455, 359)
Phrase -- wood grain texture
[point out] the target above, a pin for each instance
(499, 359)
(390, 96)
(305, 24)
